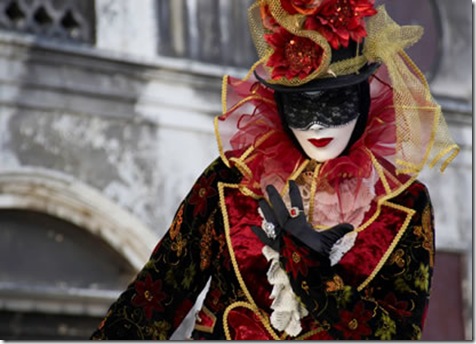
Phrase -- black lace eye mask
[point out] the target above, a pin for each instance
(330, 108)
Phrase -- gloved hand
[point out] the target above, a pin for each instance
(294, 222)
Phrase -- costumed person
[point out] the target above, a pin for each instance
(311, 224)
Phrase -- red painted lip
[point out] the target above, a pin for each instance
(319, 143)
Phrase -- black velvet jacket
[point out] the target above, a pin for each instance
(378, 290)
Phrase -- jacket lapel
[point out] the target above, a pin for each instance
(375, 244)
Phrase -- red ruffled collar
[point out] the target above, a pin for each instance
(251, 138)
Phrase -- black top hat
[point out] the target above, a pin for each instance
(329, 82)
(311, 46)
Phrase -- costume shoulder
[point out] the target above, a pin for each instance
(386, 292)
(416, 197)
(167, 286)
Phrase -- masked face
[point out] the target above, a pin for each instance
(321, 143)
(322, 121)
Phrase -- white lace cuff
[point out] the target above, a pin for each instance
(342, 245)
(287, 310)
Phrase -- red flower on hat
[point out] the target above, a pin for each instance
(293, 56)
(267, 19)
(305, 7)
(341, 20)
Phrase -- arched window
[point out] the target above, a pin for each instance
(65, 255)
(56, 279)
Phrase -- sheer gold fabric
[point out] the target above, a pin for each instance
(422, 133)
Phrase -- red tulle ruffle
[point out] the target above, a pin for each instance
(253, 121)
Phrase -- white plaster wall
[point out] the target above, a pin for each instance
(186, 141)
(135, 133)
(141, 132)
(127, 27)
(54, 193)
(454, 78)
(451, 195)
(138, 134)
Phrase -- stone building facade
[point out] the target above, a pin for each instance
(106, 120)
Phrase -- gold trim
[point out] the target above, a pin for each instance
(203, 328)
(380, 171)
(315, 174)
(410, 212)
(442, 153)
(247, 192)
(255, 65)
(224, 92)
(389, 195)
(299, 170)
(242, 167)
(410, 166)
(219, 143)
(311, 333)
(391, 177)
(292, 23)
(404, 56)
(251, 304)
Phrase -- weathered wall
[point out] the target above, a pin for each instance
(138, 134)
(138, 128)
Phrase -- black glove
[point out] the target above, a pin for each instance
(294, 222)
(269, 236)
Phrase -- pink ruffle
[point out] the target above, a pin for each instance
(252, 120)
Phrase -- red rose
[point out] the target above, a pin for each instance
(293, 56)
(341, 20)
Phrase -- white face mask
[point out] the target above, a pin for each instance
(324, 143)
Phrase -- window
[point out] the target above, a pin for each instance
(57, 279)
(212, 31)
(216, 31)
(64, 20)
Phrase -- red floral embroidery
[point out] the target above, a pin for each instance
(297, 263)
(341, 20)
(149, 296)
(353, 324)
(201, 191)
(293, 56)
(393, 305)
